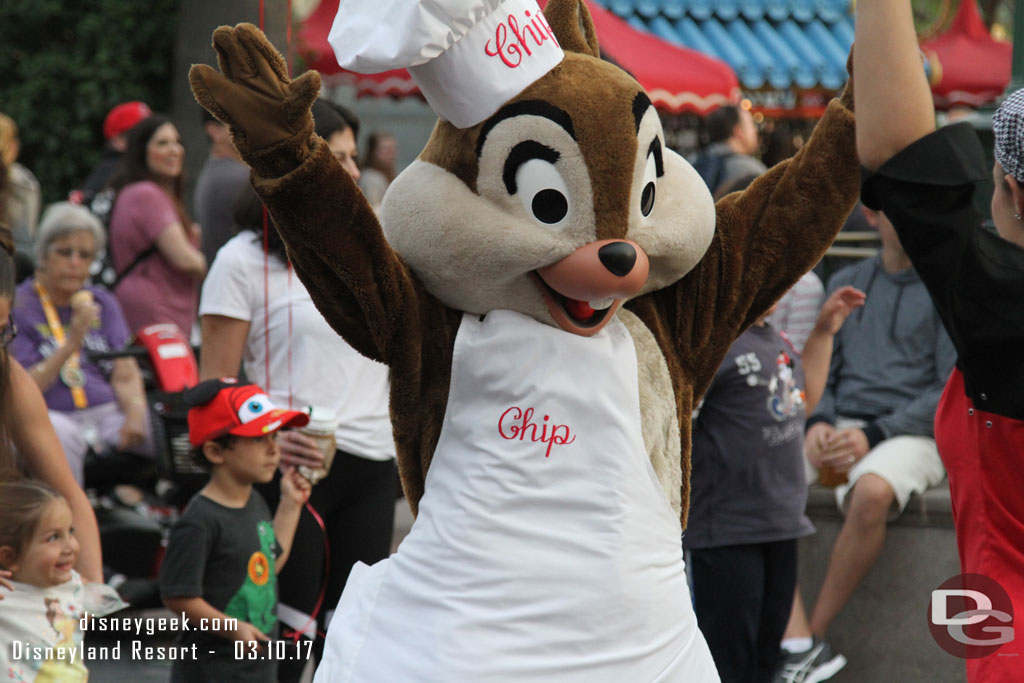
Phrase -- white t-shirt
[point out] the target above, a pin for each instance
(309, 363)
(798, 310)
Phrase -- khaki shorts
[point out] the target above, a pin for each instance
(909, 464)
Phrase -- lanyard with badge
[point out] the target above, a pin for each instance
(71, 372)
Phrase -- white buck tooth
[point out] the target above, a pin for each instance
(601, 304)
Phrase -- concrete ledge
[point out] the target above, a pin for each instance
(883, 630)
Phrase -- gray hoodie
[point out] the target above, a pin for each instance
(891, 358)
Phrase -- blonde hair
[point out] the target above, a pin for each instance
(8, 140)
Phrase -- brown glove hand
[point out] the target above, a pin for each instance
(254, 96)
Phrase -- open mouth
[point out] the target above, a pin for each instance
(582, 314)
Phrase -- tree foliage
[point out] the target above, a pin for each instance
(932, 17)
(65, 63)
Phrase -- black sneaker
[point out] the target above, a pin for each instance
(820, 663)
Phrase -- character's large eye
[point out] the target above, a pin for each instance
(254, 406)
(543, 192)
(530, 174)
(650, 185)
(653, 169)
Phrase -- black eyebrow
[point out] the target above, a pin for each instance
(659, 163)
(520, 154)
(526, 108)
(641, 103)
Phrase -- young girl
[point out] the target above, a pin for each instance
(45, 597)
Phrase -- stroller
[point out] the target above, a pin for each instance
(137, 500)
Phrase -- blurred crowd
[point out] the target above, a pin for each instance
(841, 385)
(85, 278)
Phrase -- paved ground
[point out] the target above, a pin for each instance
(134, 663)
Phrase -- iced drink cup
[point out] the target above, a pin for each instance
(321, 428)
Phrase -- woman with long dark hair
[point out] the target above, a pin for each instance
(154, 243)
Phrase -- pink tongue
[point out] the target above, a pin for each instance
(580, 310)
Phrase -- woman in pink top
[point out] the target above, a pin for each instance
(153, 242)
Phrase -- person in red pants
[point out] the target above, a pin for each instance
(925, 181)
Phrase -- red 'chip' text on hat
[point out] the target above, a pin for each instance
(468, 57)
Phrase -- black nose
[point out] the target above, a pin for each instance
(618, 257)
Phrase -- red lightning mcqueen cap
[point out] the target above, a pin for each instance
(223, 406)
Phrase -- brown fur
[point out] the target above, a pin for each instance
(572, 24)
(587, 84)
(765, 239)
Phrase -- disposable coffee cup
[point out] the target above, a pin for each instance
(321, 428)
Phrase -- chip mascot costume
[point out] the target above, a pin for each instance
(553, 289)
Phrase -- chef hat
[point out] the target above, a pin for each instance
(468, 57)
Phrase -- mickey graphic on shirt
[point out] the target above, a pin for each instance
(785, 398)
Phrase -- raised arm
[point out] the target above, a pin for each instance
(766, 238)
(362, 288)
(817, 353)
(894, 103)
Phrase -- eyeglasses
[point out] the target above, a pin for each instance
(68, 252)
(8, 333)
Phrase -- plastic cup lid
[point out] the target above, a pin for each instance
(321, 420)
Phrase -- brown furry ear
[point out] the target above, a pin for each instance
(573, 27)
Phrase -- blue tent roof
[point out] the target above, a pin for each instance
(777, 44)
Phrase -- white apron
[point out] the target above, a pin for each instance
(544, 548)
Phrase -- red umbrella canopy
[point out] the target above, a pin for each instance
(317, 53)
(968, 66)
(677, 79)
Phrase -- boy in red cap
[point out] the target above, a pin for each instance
(224, 553)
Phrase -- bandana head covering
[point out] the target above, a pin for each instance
(1008, 127)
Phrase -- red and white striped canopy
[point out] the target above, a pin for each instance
(676, 78)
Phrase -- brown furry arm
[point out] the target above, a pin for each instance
(366, 293)
(766, 238)
(359, 284)
(333, 236)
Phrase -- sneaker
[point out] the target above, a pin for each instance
(820, 663)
